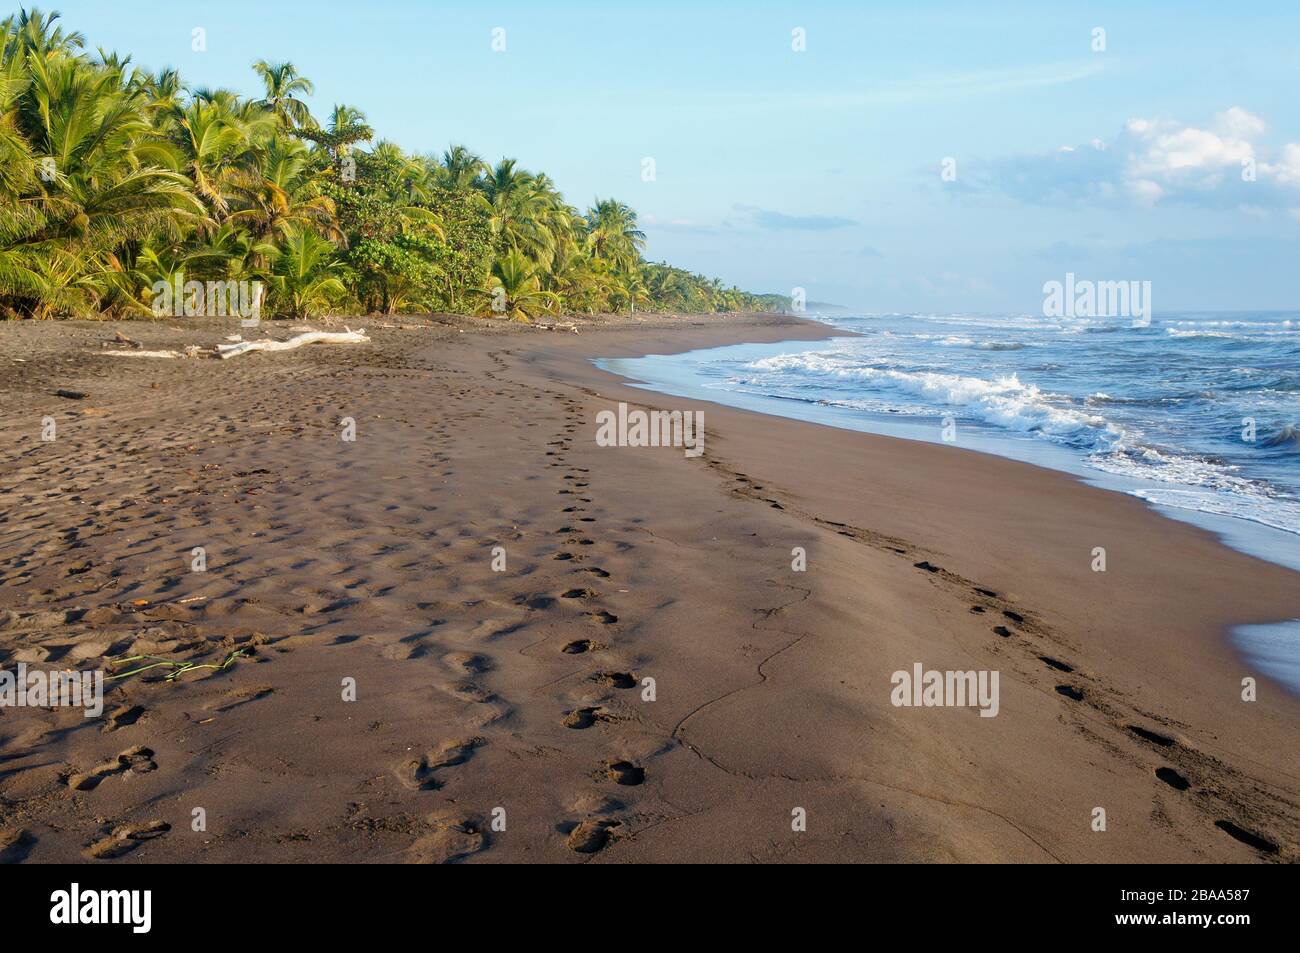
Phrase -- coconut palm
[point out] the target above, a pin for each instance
(163, 88)
(282, 194)
(305, 277)
(514, 290)
(283, 85)
(38, 36)
(113, 178)
(103, 177)
(347, 126)
(460, 169)
(527, 213)
(612, 233)
(211, 141)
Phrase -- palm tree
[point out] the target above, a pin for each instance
(113, 178)
(39, 37)
(105, 178)
(515, 291)
(461, 169)
(163, 87)
(347, 126)
(283, 84)
(282, 196)
(632, 288)
(305, 279)
(612, 233)
(211, 142)
(526, 213)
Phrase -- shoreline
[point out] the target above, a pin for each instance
(772, 685)
(1252, 537)
(1263, 644)
(813, 327)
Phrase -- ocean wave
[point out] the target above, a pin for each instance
(1234, 324)
(1197, 333)
(1278, 514)
(1287, 438)
(1144, 407)
(1162, 465)
(1102, 399)
(956, 340)
(1005, 402)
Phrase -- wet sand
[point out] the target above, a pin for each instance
(504, 715)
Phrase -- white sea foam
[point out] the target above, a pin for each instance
(1278, 514)
(1234, 324)
(1005, 401)
(957, 340)
(1171, 425)
(1193, 333)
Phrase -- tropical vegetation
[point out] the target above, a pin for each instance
(116, 181)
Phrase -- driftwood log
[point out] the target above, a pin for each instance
(345, 336)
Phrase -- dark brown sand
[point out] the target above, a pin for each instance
(486, 698)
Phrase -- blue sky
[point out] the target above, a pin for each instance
(821, 169)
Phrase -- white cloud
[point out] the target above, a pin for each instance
(1163, 148)
(1287, 170)
(1239, 123)
(1153, 161)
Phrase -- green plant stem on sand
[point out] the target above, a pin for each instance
(180, 668)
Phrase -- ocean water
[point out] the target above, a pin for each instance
(1197, 413)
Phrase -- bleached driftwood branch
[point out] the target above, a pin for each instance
(346, 336)
(191, 351)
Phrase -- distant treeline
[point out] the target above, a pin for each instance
(115, 181)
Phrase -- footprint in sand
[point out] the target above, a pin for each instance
(468, 691)
(581, 718)
(452, 839)
(1248, 838)
(579, 646)
(580, 594)
(15, 845)
(123, 716)
(615, 679)
(418, 774)
(126, 839)
(587, 837)
(137, 760)
(1070, 692)
(603, 617)
(486, 710)
(468, 662)
(624, 772)
(1155, 738)
(1173, 779)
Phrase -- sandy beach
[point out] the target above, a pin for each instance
(432, 643)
